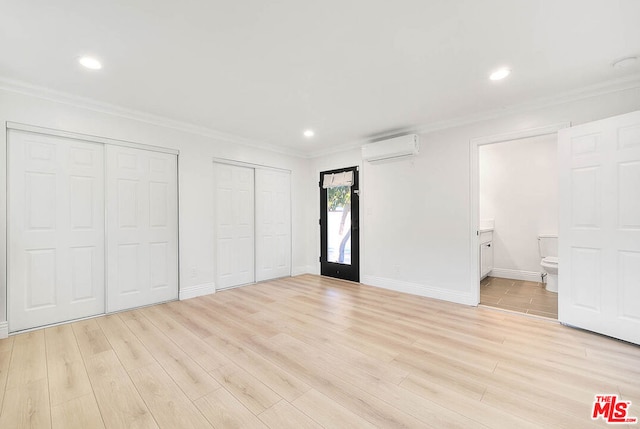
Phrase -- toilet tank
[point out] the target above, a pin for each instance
(548, 245)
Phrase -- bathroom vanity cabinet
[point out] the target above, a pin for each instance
(486, 252)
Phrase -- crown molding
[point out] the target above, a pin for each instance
(28, 89)
(611, 86)
(608, 87)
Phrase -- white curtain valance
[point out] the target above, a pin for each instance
(337, 179)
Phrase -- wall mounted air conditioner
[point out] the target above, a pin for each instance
(397, 147)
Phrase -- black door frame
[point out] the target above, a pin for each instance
(333, 269)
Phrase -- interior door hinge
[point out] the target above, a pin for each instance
(320, 221)
(319, 258)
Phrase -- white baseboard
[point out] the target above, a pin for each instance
(419, 289)
(304, 269)
(505, 273)
(4, 329)
(297, 271)
(313, 269)
(197, 290)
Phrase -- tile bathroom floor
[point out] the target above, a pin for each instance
(517, 295)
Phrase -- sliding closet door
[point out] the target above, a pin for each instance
(273, 224)
(56, 229)
(234, 225)
(142, 227)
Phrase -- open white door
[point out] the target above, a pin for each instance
(273, 224)
(599, 236)
(56, 229)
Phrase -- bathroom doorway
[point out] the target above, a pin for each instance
(514, 202)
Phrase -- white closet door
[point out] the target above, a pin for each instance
(599, 237)
(142, 227)
(56, 229)
(273, 224)
(234, 225)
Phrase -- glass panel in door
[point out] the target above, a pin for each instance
(339, 225)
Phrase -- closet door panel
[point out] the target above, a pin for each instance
(142, 228)
(273, 224)
(56, 229)
(234, 225)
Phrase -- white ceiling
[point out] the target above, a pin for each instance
(349, 69)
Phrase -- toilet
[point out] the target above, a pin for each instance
(548, 248)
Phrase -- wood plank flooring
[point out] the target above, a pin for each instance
(312, 352)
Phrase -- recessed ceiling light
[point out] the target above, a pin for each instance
(500, 74)
(90, 63)
(309, 133)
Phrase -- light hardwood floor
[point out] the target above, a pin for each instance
(311, 352)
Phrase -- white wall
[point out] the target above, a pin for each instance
(519, 190)
(427, 253)
(195, 177)
(416, 214)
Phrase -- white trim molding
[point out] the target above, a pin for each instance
(227, 161)
(300, 270)
(30, 90)
(505, 273)
(306, 269)
(611, 86)
(474, 195)
(196, 290)
(4, 329)
(520, 134)
(86, 137)
(603, 88)
(465, 298)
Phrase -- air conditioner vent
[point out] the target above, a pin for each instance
(397, 147)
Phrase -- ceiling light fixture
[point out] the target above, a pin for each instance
(90, 63)
(500, 74)
(309, 133)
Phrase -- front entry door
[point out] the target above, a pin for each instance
(339, 226)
